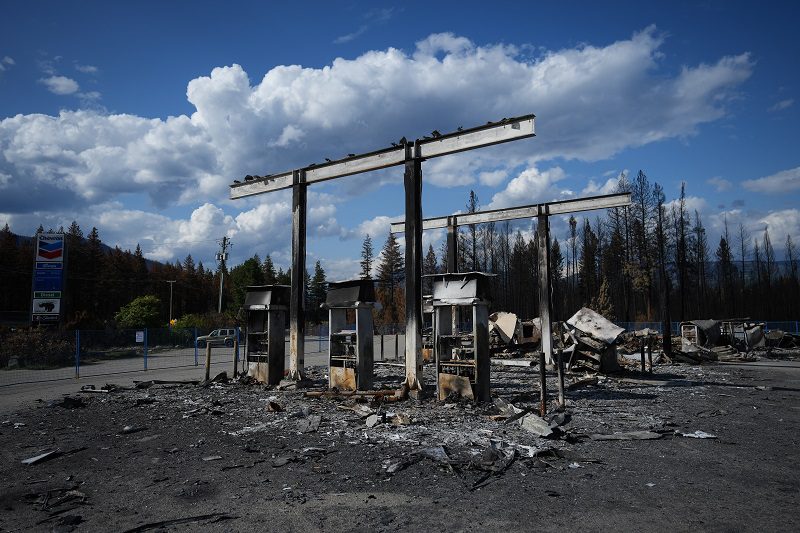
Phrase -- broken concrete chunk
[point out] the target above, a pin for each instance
(309, 424)
(536, 425)
(401, 419)
(373, 420)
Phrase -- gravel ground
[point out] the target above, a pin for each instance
(241, 457)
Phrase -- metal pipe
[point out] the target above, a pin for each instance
(560, 361)
(208, 361)
(643, 341)
(542, 386)
(236, 356)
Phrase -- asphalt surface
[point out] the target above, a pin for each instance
(222, 460)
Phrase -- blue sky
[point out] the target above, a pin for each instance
(135, 117)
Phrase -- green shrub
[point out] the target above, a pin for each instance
(142, 312)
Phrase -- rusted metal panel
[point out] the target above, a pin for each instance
(450, 383)
(343, 378)
(258, 371)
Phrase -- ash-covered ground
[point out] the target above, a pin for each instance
(711, 447)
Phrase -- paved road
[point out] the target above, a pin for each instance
(22, 386)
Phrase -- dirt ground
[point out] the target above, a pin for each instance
(241, 457)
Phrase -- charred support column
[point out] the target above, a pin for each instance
(452, 263)
(297, 317)
(452, 245)
(545, 296)
(413, 290)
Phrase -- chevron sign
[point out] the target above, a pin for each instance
(50, 247)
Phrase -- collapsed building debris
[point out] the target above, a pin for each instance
(590, 342)
(511, 337)
(719, 340)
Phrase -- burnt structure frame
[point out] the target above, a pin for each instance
(411, 155)
(542, 213)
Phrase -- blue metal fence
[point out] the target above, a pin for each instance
(85, 353)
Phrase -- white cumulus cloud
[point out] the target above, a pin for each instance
(720, 184)
(531, 186)
(591, 101)
(60, 85)
(781, 182)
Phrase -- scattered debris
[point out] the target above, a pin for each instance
(68, 402)
(127, 430)
(584, 382)
(213, 517)
(627, 435)
(309, 424)
(274, 407)
(41, 457)
(697, 435)
(373, 420)
(212, 458)
(536, 425)
(592, 342)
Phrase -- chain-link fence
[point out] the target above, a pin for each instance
(39, 354)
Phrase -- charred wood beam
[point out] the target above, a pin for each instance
(459, 141)
(527, 211)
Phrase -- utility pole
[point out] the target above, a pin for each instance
(222, 256)
(171, 283)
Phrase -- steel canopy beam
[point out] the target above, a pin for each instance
(451, 143)
(527, 211)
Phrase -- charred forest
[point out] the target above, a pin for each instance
(640, 263)
(637, 263)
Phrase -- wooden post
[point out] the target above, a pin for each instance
(542, 386)
(560, 363)
(650, 353)
(413, 289)
(297, 319)
(545, 298)
(208, 361)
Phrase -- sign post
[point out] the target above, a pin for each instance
(48, 278)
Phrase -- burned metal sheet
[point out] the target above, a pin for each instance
(343, 378)
(595, 325)
(450, 383)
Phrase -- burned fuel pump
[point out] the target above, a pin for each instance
(350, 343)
(461, 334)
(265, 353)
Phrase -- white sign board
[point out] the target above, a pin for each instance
(140, 336)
